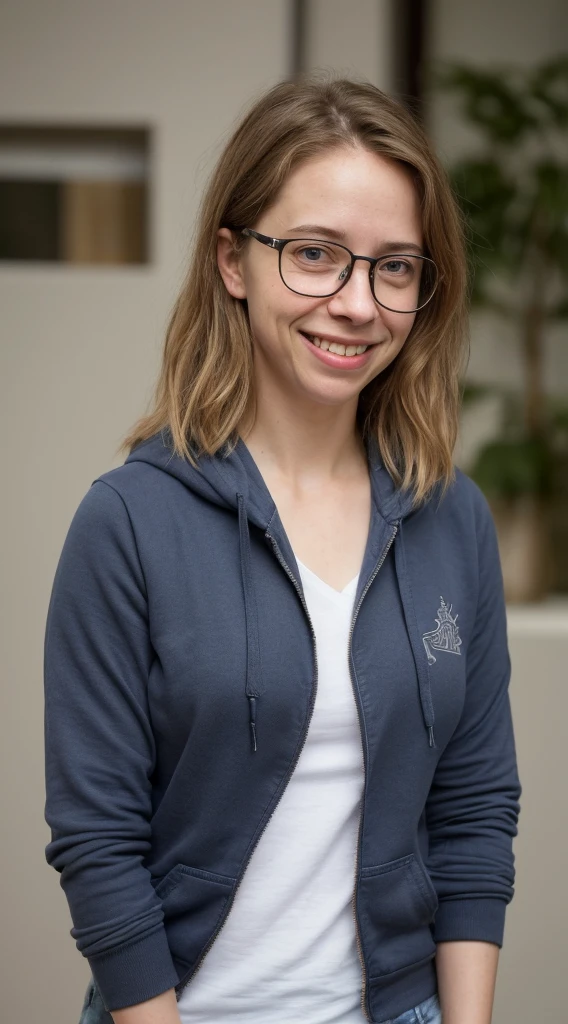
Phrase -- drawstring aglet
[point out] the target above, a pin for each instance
(252, 708)
(431, 736)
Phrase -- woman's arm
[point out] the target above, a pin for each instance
(473, 806)
(100, 753)
(161, 1009)
(467, 972)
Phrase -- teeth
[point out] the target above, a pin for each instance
(333, 346)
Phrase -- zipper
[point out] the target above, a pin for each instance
(185, 981)
(360, 829)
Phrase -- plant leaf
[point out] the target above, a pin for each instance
(490, 100)
(511, 468)
(549, 86)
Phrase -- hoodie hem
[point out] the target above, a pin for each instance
(391, 995)
(476, 920)
(134, 972)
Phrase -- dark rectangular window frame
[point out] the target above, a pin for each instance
(137, 136)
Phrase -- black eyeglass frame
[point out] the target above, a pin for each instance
(279, 243)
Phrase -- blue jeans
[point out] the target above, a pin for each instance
(428, 1012)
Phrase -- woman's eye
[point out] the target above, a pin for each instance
(312, 254)
(397, 267)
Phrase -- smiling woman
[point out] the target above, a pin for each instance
(340, 161)
(283, 803)
(372, 198)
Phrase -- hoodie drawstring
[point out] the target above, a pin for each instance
(253, 667)
(420, 660)
(253, 687)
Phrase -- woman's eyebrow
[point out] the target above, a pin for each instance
(318, 228)
(394, 246)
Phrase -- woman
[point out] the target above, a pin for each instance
(276, 659)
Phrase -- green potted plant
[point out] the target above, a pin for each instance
(514, 194)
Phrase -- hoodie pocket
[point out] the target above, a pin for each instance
(397, 904)
(193, 901)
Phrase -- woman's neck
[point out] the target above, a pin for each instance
(307, 445)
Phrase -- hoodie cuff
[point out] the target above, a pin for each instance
(134, 972)
(475, 920)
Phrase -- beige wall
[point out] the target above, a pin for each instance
(531, 986)
(352, 37)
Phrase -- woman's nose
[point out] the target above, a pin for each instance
(355, 299)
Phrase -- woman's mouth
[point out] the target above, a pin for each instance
(335, 355)
(332, 346)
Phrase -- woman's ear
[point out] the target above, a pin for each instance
(229, 264)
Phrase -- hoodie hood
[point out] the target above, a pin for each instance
(220, 478)
(233, 481)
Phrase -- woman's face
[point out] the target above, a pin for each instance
(368, 203)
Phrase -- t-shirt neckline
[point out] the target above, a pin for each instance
(348, 588)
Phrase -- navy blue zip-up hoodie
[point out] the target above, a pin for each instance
(180, 677)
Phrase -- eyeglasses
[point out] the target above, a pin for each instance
(401, 282)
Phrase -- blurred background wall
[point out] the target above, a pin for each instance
(80, 349)
(513, 32)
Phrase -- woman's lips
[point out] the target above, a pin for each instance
(336, 361)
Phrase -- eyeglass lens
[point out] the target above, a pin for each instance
(401, 283)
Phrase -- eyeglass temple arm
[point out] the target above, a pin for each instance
(274, 243)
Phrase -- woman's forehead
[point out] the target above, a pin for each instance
(347, 189)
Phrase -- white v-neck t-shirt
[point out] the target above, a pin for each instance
(287, 951)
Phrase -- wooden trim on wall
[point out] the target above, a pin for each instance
(410, 21)
(298, 55)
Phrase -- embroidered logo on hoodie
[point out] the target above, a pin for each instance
(446, 637)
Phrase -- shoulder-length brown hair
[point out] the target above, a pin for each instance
(205, 386)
